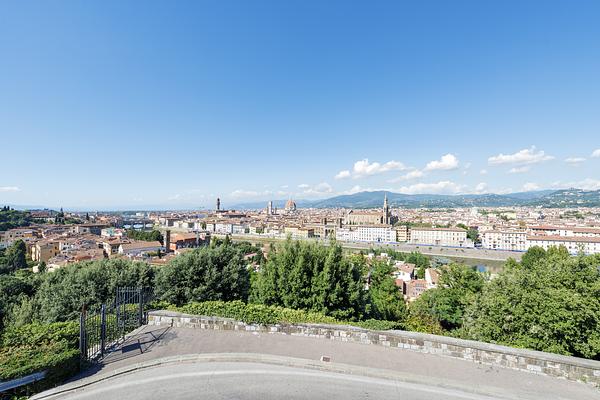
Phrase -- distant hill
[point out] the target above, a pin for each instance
(543, 198)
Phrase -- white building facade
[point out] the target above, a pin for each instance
(575, 245)
(504, 240)
(452, 237)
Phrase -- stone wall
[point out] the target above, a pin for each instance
(572, 368)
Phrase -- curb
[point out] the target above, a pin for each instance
(338, 368)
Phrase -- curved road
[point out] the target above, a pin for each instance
(260, 381)
(164, 362)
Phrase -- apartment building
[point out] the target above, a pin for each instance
(504, 240)
(367, 233)
(575, 245)
(402, 233)
(454, 237)
(44, 250)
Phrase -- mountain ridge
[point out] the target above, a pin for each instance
(561, 198)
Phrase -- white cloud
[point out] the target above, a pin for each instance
(481, 187)
(241, 193)
(343, 174)
(446, 163)
(504, 191)
(574, 161)
(530, 187)
(522, 157)
(319, 189)
(353, 190)
(303, 186)
(414, 174)
(445, 187)
(483, 172)
(9, 189)
(285, 186)
(586, 184)
(519, 170)
(596, 153)
(364, 168)
(174, 197)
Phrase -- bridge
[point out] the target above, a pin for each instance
(178, 356)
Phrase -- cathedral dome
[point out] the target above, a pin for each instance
(290, 205)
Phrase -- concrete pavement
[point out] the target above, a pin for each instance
(253, 380)
(150, 346)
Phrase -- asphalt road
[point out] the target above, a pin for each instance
(180, 362)
(245, 381)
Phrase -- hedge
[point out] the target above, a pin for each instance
(40, 347)
(267, 315)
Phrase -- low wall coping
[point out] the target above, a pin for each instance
(426, 337)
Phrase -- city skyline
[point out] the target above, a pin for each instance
(115, 106)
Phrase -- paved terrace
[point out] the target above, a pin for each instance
(189, 363)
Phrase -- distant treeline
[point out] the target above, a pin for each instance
(10, 219)
(148, 236)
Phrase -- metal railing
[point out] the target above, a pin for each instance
(102, 329)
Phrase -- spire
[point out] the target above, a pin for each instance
(386, 210)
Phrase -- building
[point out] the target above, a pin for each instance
(575, 245)
(290, 206)
(94, 229)
(375, 233)
(567, 231)
(414, 288)
(402, 233)
(44, 250)
(370, 217)
(12, 235)
(112, 246)
(432, 277)
(299, 232)
(504, 240)
(404, 271)
(139, 248)
(188, 240)
(452, 237)
(113, 232)
(366, 233)
(270, 209)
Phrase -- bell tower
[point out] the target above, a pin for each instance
(386, 210)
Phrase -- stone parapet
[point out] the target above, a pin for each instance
(537, 362)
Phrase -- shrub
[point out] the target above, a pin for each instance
(261, 314)
(40, 347)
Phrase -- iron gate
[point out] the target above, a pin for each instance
(103, 328)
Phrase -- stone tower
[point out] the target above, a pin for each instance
(386, 210)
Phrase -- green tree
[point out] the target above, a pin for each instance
(13, 290)
(208, 273)
(447, 303)
(532, 255)
(15, 256)
(147, 236)
(312, 277)
(548, 302)
(420, 261)
(62, 293)
(386, 300)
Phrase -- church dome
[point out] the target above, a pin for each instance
(290, 205)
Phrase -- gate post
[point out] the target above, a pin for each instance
(102, 330)
(82, 336)
(141, 306)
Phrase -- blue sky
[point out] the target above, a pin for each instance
(115, 104)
